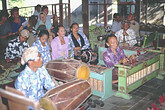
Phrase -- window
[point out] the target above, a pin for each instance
(126, 7)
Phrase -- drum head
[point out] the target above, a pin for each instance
(83, 72)
(47, 104)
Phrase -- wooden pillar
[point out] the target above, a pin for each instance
(55, 9)
(146, 11)
(4, 5)
(61, 12)
(105, 13)
(69, 15)
(138, 9)
(85, 17)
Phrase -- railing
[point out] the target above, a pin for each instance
(54, 9)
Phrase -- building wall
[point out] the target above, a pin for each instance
(96, 12)
(155, 13)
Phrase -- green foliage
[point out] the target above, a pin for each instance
(20, 3)
(0, 4)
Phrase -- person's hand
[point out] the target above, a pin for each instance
(7, 60)
(20, 29)
(125, 60)
(133, 56)
(77, 48)
(9, 34)
(125, 33)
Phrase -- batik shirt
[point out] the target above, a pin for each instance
(130, 39)
(15, 48)
(44, 50)
(72, 46)
(32, 83)
(111, 59)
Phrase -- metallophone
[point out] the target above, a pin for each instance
(104, 75)
(131, 76)
(101, 77)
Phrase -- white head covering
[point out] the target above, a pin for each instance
(25, 33)
(30, 53)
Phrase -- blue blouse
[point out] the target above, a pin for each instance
(44, 50)
(32, 83)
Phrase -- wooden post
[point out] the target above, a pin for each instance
(105, 13)
(146, 10)
(69, 16)
(61, 12)
(55, 9)
(138, 9)
(4, 6)
(85, 17)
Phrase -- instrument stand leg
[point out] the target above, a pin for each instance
(122, 95)
(161, 74)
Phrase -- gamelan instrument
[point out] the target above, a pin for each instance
(68, 96)
(68, 69)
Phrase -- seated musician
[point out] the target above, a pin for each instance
(34, 78)
(47, 23)
(114, 54)
(126, 35)
(5, 30)
(42, 45)
(17, 20)
(77, 41)
(17, 46)
(59, 44)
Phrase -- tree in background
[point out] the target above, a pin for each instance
(20, 3)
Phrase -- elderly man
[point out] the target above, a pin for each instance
(134, 25)
(17, 46)
(34, 78)
(126, 35)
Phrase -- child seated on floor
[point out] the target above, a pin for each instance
(114, 55)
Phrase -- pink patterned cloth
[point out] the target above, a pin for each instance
(59, 50)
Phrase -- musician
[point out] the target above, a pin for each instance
(114, 55)
(17, 46)
(47, 23)
(116, 26)
(34, 78)
(60, 44)
(126, 35)
(42, 45)
(5, 30)
(77, 41)
(37, 10)
(134, 24)
(17, 20)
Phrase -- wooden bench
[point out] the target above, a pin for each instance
(17, 100)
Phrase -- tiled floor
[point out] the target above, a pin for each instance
(142, 97)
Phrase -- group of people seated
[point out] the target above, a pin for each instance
(46, 46)
(127, 30)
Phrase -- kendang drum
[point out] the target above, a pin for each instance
(68, 69)
(68, 96)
